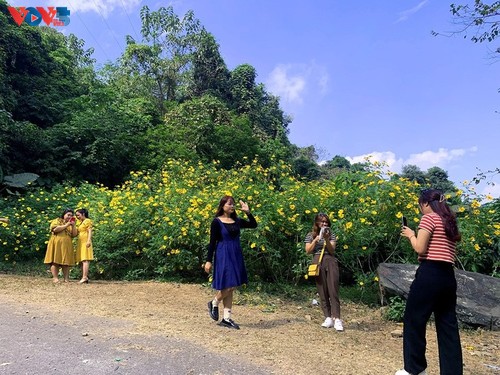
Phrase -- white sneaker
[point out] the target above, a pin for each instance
(338, 325)
(328, 323)
(404, 372)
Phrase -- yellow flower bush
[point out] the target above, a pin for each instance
(156, 224)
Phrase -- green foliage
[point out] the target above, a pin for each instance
(396, 309)
(156, 225)
(480, 19)
(162, 62)
(210, 74)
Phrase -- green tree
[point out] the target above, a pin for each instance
(210, 74)
(413, 173)
(38, 72)
(438, 179)
(478, 22)
(202, 129)
(163, 60)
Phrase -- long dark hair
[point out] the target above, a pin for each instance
(84, 212)
(220, 209)
(317, 223)
(435, 199)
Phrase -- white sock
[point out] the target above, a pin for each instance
(215, 302)
(227, 314)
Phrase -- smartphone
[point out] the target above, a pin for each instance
(404, 221)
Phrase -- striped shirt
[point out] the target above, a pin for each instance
(319, 245)
(440, 247)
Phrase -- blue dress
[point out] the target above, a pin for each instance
(229, 266)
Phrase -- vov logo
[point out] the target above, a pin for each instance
(33, 16)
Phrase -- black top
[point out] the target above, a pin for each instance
(233, 229)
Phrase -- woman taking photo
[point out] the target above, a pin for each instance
(327, 282)
(60, 247)
(84, 249)
(434, 289)
(229, 269)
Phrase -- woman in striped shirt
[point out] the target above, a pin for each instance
(434, 289)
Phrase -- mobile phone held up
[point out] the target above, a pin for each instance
(72, 220)
(404, 221)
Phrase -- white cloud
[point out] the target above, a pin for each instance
(287, 87)
(290, 81)
(440, 158)
(387, 157)
(404, 15)
(104, 7)
(424, 160)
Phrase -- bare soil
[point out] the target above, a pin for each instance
(281, 336)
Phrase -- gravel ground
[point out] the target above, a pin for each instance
(164, 328)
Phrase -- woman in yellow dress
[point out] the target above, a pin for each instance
(60, 247)
(84, 249)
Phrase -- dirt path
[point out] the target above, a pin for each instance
(278, 337)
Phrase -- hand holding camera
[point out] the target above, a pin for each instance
(324, 232)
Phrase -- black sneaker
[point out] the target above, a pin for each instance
(229, 323)
(213, 311)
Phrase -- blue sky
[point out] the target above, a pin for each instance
(358, 77)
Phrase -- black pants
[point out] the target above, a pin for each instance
(434, 290)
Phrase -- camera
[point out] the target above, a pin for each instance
(324, 230)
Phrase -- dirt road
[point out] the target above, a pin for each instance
(163, 328)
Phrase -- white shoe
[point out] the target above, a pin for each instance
(328, 323)
(338, 325)
(404, 372)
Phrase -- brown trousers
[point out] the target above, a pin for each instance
(327, 284)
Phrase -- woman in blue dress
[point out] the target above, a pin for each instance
(229, 270)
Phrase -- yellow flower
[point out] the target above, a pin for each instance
(375, 278)
(477, 247)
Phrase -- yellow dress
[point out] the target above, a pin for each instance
(82, 251)
(60, 246)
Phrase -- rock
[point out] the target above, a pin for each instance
(397, 333)
(478, 295)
